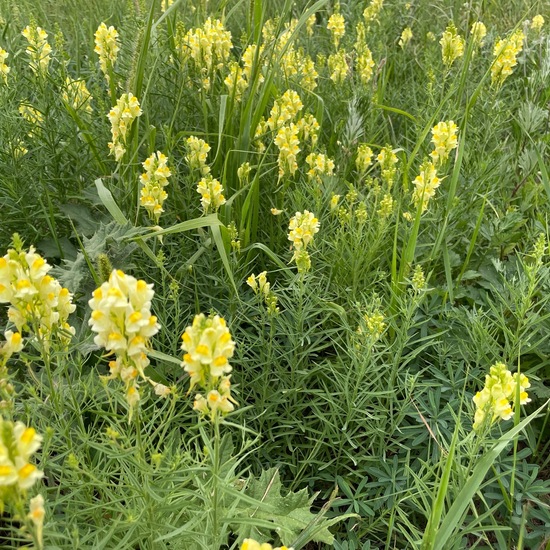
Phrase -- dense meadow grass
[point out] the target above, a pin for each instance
(342, 207)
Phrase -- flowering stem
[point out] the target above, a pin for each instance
(215, 481)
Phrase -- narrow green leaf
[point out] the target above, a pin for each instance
(109, 202)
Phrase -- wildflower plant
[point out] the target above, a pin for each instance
(209, 346)
(107, 47)
(153, 182)
(301, 229)
(4, 68)
(121, 117)
(76, 94)
(505, 55)
(122, 320)
(211, 192)
(452, 46)
(444, 139)
(38, 49)
(196, 155)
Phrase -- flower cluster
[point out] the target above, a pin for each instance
(251, 544)
(387, 160)
(197, 152)
(38, 49)
(505, 52)
(478, 32)
(289, 146)
(364, 158)
(153, 181)
(496, 400)
(17, 444)
(301, 229)
(76, 95)
(319, 165)
(364, 63)
(235, 81)
(121, 318)
(4, 69)
(338, 67)
(386, 206)
(452, 45)
(284, 109)
(208, 47)
(372, 325)
(33, 116)
(337, 26)
(261, 287)
(537, 23)
(37, 301)
(121, 116)
(211, 192)
(445, 139)
(106, 47)
(406, 37)
(209, 346)
(425, 185)
(372, 11)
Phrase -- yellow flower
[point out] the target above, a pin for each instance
(289, 146)
(406, 37)
(122, 320)
(37, 301)
(208, 47)
(387, 160)
(106, 47)
(495, 400)
(537, 23)
(301, 229)
(336, 25)
(445, 139)
(77, 95)
(197, 153)
(386, 206)
(211, 192)
(372, 11)
(38, 49)
(310, 23)
(17, 444)
(284, 109)
(418, 281)
(33, 116)
(452, 45)
(320, 165)
(165, 4)
(276, 211)
(209, 346)
(153, 180)
(251, 544)
(505, 53)
(308, 129)
(235, 81)
(122, 116)
(425, 185)
(364, 158)
(338, 67)
(243, 172)
(334, 200)
(430, 36)
(4, 69)
(478, 32)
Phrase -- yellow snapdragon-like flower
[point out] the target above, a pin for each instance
(537, 23)
(208, 47)
(209, 346)
(308, 129)
(319, 165)
(505, 53)
(406, 37)
(153, 181)
(284, 109)
(235, 81)
(452, 45)
(372, 11)
(386, 206)
(289, 146)
(38, 303)
(33, 116)
(122, 116)
(425, 185)
(76, 94)
(338, 67)
(387, 160)
(106, 47)
(211, 192)
(251, 544)
(38, 49)
(364, 62)
(17, 445)
(301, 229)
(197, 153)
(445, 139)
(478, 32)
(364, 158)
(36, 515)
(337, 26)
(496, 400)
(122, 320)
(4, 69)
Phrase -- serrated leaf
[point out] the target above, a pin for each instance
(289, 514)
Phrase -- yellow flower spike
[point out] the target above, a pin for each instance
(288, 143)
(338, 67)
(336, 25)
(106, 47)
(153, 181)
(505, 53)
(4, 69)
(406, 37)
(77, 95)
(211, 192)
(445, 139)
(121, 116)
(425, 185)
(537, 23)
(452, 45)
(197, 153)
(38, 49)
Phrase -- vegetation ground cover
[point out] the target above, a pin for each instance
(274, 273)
